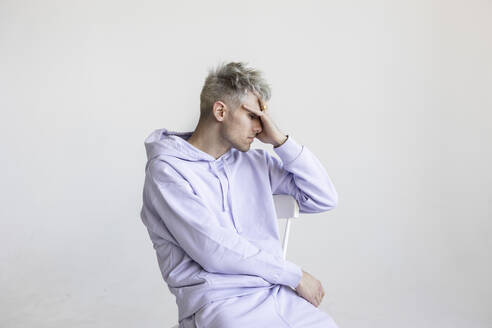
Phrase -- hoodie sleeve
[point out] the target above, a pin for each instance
(300, 174)
(215, 248)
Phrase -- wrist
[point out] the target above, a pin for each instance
(280, 140)
(299, 284)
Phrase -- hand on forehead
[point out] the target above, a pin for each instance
(254, 103)
(260, 100)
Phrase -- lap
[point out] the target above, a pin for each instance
(298, 312)
(276, 307)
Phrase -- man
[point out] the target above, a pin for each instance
(209, 210)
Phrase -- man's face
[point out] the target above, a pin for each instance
(241, 125)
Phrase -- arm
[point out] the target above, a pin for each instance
(292, 175)
(216, 249)
(299, 173)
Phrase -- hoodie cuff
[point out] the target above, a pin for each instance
(289, 150)
(291, 275)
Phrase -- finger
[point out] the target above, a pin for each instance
(257, 112)
(257, 94)
(263, 106)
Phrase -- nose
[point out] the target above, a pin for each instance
(257, 127)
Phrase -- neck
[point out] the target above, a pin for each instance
(207, 138)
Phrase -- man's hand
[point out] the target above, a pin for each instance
(270, 132)
(310, 288)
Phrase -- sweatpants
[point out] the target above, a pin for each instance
(275, 307)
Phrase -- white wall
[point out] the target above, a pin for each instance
(394, 97)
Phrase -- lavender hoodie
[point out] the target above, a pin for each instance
(212, 221)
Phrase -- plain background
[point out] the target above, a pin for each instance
(394, 97)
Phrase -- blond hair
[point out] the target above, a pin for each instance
(229, 83)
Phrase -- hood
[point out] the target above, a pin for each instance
(162, 142)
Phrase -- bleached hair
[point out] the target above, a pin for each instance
(229, 82)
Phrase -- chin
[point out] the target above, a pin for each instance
(243, 148)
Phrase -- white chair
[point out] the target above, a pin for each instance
(287, 208)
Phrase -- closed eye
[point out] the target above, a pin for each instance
(253, 116)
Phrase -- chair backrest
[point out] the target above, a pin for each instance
(287, 208)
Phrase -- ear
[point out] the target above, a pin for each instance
(219, 110)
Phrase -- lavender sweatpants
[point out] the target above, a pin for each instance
(275, 307)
